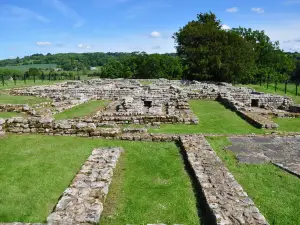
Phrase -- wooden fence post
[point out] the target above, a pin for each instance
(285, 87)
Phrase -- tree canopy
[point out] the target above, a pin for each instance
(209, 52)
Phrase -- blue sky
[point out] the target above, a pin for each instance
(42, 26)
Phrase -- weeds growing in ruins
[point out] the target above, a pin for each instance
(274, 191)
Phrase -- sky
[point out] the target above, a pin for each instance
(54, 26)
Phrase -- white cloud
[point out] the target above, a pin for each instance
(67, 12)
(83, 46)
(258, 10)
(155, 34)
(226, 27)
(43, 43)
(232, 10)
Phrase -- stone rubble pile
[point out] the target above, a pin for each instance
(226, 200)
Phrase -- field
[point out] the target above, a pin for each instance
(43, 167)
(213, 118)
(273, 190)
(24, 68)
(86, 109)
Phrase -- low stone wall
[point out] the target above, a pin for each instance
(17, 108)
(225, 198)
(49, 126)
(146, 119)
(82, 202)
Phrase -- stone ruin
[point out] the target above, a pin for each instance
(160, 101)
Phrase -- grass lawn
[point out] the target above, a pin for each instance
(288, 124)
(274, 191)
(291, 90)
(83, 110)
(19, 84)
(213, 118)
(29, 100)
(150, 184)
(10, 114)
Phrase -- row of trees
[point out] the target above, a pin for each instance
(68, 61)
(205, 51)
(143, 66)
(209, 52)
(36, 74)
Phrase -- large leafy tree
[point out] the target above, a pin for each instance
(210, 53)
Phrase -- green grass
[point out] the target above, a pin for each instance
(10, 114)
(20, 84)
(35, 170)
(291, 90)
(24, 68)
(29, 100)
(83, 110)
(274, 191)
(288, 124)
(213, 118)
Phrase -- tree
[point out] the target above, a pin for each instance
(210, 53)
